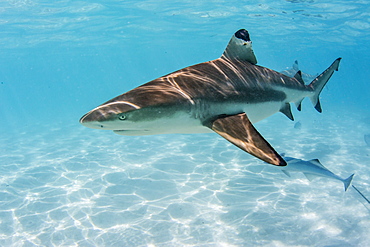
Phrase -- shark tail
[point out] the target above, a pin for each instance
(319, 83)
(347, 182)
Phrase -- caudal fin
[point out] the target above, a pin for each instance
(320, 81)
(347, 182)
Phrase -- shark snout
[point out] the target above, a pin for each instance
(92, 120)
(108, 116)
(97, 119)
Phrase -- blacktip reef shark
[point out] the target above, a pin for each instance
(226, 95)
(311, 169)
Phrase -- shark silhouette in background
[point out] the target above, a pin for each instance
(311, 169)
(294, 69)
(226, 95)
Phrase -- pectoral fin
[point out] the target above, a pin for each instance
(238, 130)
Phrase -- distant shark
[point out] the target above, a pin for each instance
(225, 95)
(294, 69)
(312, 169)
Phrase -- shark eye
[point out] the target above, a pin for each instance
(122, 117)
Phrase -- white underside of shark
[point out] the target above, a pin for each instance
(184, 123)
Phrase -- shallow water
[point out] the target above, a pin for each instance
(82, 187)
(62, 184)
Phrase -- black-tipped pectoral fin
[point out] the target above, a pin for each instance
(238, 130)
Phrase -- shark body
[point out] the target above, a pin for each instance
(226, 95)
(311, 169)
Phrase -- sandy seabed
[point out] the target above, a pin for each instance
(74, 186)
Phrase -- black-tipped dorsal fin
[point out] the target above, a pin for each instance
(298, 76)
(238, 130)
(285, 109)
(240, 47)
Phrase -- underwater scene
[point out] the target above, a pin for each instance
(252, 177)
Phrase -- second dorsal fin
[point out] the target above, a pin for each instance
(298, 76)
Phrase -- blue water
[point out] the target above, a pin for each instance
(62, 184)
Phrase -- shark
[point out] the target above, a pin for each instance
(294, 69)
(311, 169)
(226, 96)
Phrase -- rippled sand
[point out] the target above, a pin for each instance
(73, 186)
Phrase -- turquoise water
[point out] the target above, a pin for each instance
(62, 184)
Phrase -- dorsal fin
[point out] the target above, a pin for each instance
(298, 76)
(317, 162)
(240, 47)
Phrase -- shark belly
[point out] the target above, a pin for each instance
(260, 111)
(255, 111)
(179, 123)
(191, 122)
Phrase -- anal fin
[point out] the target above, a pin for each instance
(238, 130)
